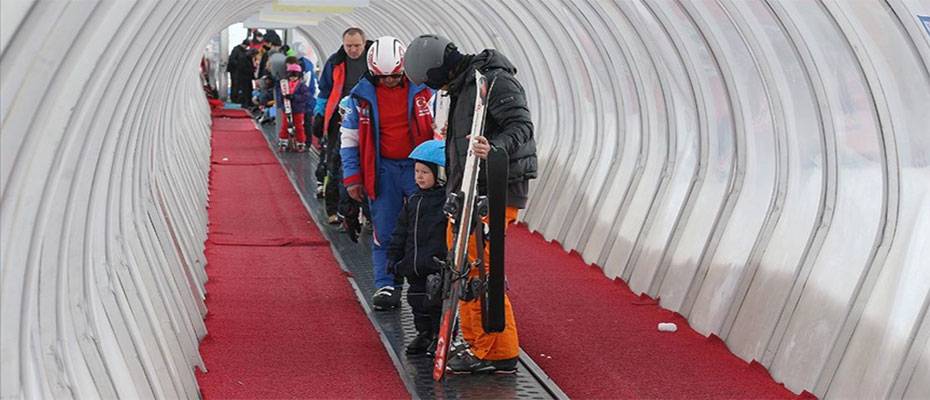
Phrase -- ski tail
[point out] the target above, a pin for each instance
(496, 173)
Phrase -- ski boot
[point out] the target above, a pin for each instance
(386, 298)
(420, 344)
(466, 363)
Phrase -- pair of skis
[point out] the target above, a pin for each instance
(466, 209)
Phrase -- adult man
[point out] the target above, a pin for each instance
(341, 72)
(272, 46)
(436, 61)
(240, 71)
(386, 118)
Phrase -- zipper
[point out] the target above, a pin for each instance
(416, 223)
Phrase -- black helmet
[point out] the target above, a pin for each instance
(429, 58)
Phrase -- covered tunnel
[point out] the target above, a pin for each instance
(761, 167)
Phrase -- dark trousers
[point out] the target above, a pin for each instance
(334, 190)
(425, 318)
(241, 90)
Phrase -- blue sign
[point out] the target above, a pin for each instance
(926, 21)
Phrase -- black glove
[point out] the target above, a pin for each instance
(317, 128)
(352, 228)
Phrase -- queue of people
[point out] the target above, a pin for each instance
(383, 156)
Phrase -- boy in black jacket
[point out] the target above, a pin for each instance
(419, 236)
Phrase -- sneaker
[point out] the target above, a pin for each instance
(282, 143)
(420, 344)
(466, 363)
(333, 220)
(301, 147)
(386, 298)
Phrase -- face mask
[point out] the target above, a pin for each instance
(437, 77)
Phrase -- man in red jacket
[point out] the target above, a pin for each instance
(386, 117)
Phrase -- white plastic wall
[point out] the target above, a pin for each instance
(104, 167)
(761, 166)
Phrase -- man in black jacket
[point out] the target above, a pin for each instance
(240, 71)
(436, 61)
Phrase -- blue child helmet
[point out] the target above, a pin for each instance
(431, 151)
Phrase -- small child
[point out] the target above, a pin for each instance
(419, 236)
(297, 94)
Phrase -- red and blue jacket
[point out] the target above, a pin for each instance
(361, 146)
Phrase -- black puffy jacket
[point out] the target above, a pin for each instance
(420, 234)
(507, 123)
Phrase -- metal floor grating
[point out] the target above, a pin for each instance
(396, 327)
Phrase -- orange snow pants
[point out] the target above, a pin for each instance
(487, 346)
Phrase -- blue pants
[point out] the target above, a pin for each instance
(395, 183)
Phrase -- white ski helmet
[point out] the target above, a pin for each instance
(386, 56)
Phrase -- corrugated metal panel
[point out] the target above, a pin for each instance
(761, 166)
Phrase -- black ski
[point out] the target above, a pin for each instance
(492, 307)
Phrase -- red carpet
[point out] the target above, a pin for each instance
(229, 113)
(283, 320)
(601, 341)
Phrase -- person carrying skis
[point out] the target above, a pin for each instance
(386, 117)
(418, 237)
(339, 75)
(297, 94)
(437, 62)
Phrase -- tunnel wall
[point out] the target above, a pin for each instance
(105, 160)
(761, 167)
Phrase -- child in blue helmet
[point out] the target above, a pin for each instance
(419, 236)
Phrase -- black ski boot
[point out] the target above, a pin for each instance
(421, 344)
(386, 298)
(466, 363)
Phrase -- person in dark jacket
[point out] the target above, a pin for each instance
(340, 73)
(418, 237)
(240, 71)
(272, 46)
(436, 61)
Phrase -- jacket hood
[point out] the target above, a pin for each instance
(485, 61)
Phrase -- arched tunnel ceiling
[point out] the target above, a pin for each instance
(763, 167)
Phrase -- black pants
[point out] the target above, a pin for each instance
(334, 191)
(241, 89)
(425, 318)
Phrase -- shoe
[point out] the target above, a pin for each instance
(366, 223)
(301, 147)
(320, 191)
(282, 144)
(421, 344)
(386, 298)
(333, 220)
(466, 363)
